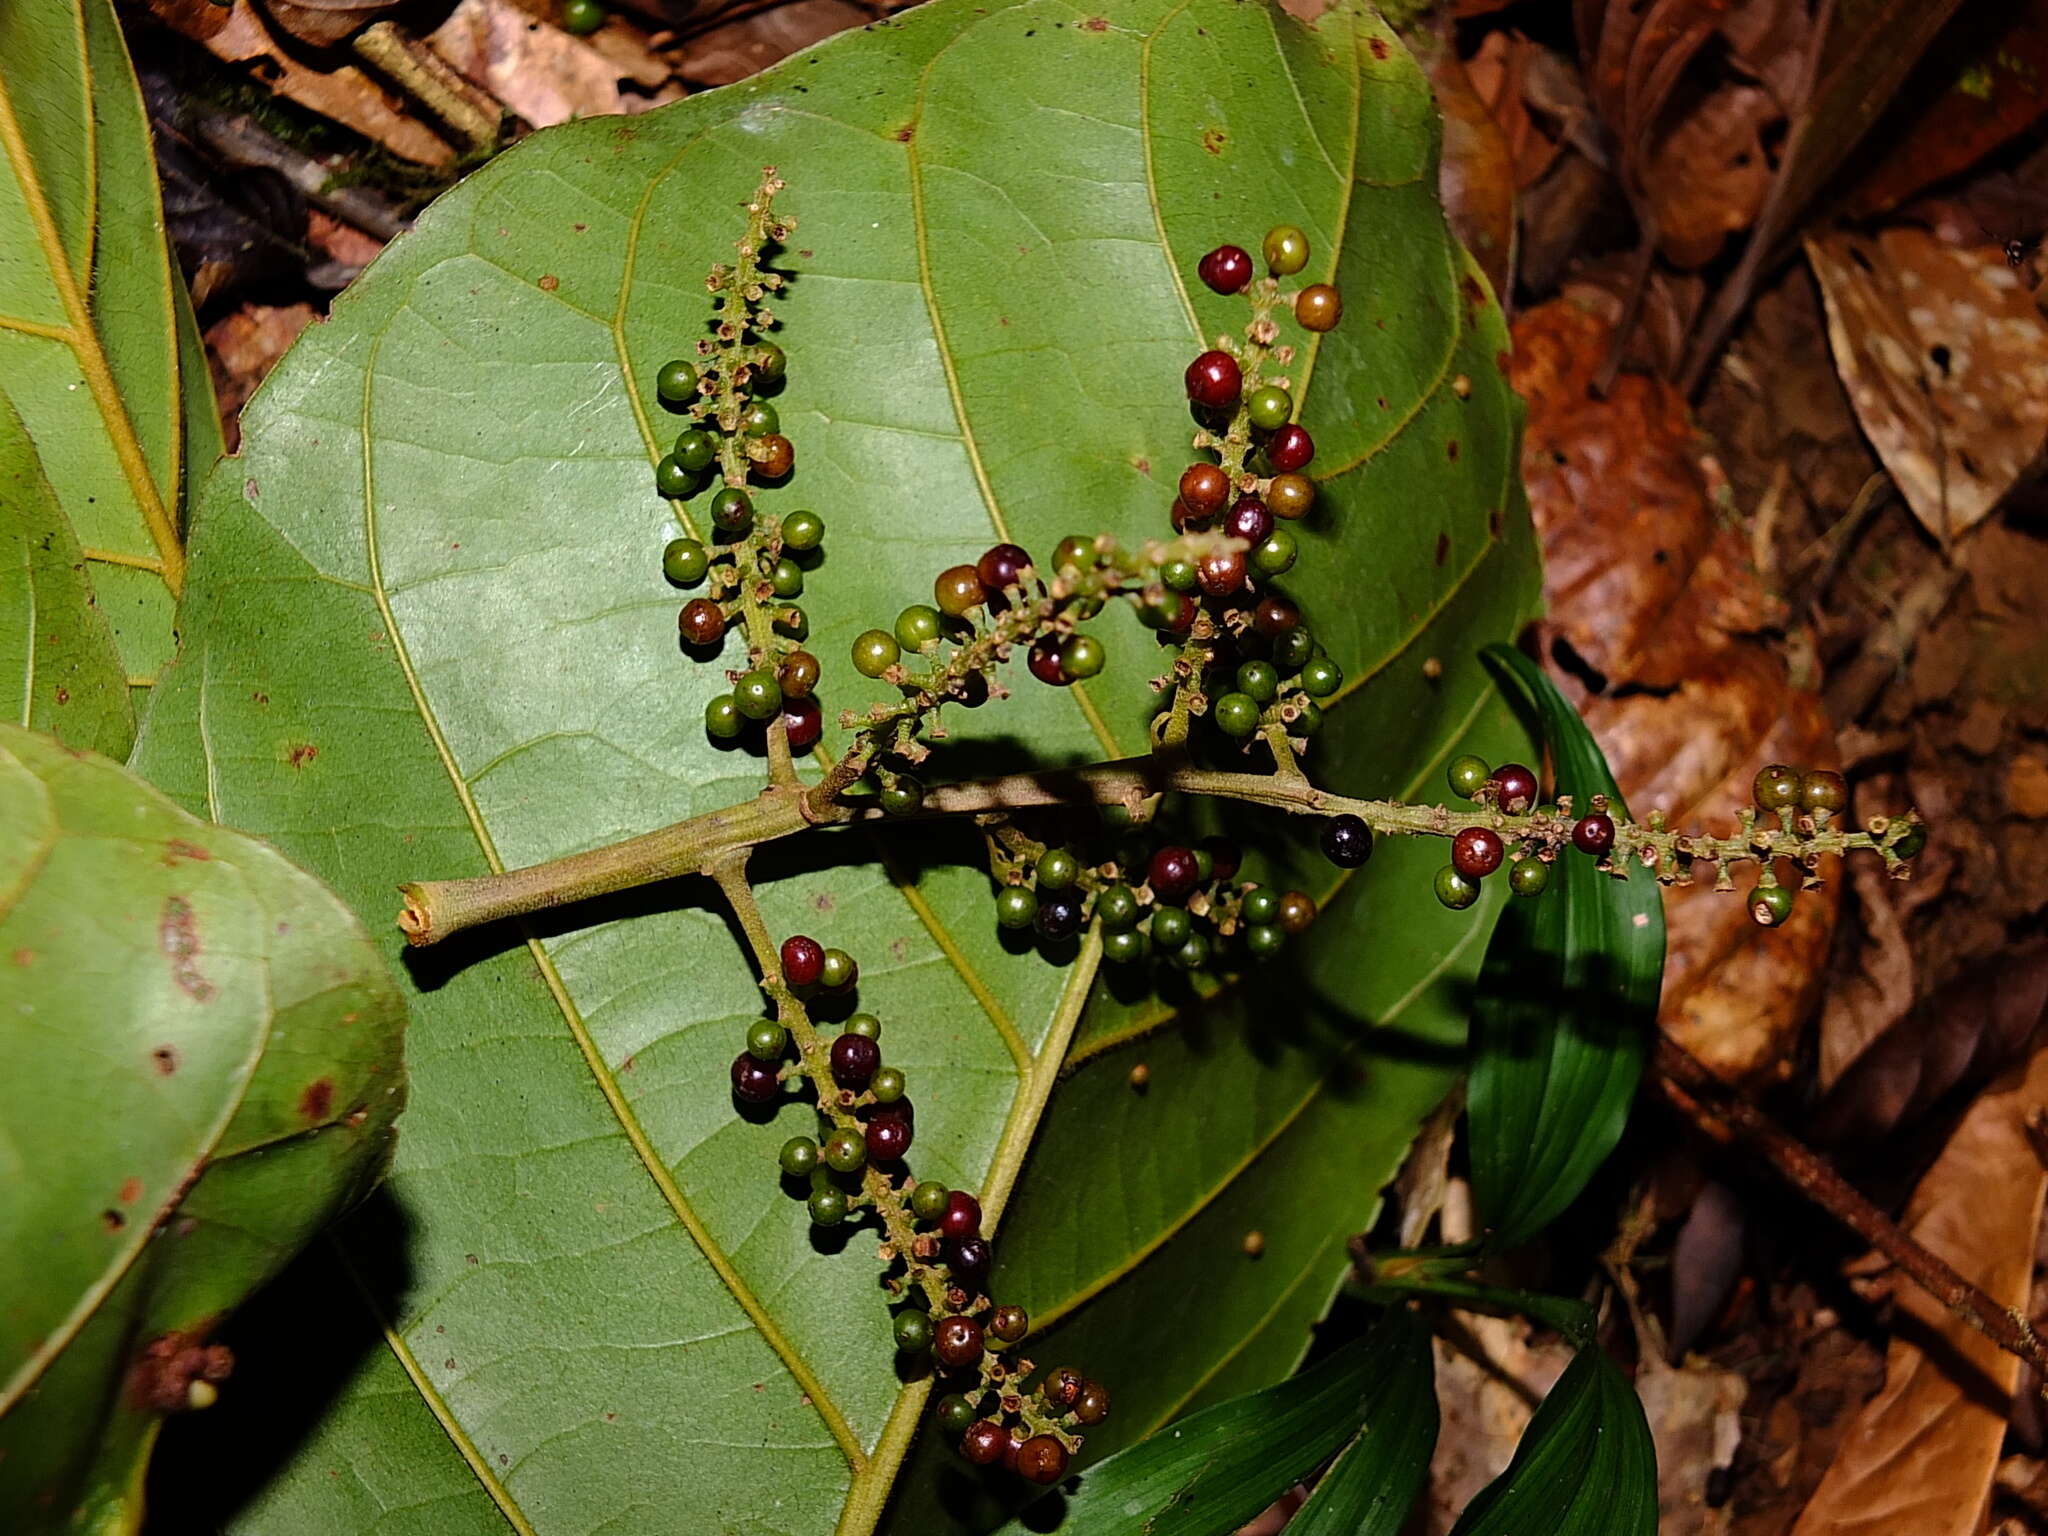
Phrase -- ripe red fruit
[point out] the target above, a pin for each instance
(855, 1059)
(1476, 852)
(803, 957)
(1289, 449)
(1514, 788)
(962, 1216)
(984, 1441)
(1041, 1459)
(702, 622)
(754, 1080)
(1062, 1387)
(1221, 574)
(1214, 381)
(1249, 519)
(804, 721)
(889, 1137)
(1002, 567)
(957, 1341)
(1226, 269)
(1044, 661)
(1593, 834)
(1204, 488)
(1275, 615)
(1173, 872)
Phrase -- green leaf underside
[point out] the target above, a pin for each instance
(182, 1005)
(1586, 1465)
(58, 669)
(428, 631)
(105, 403)
(1372, 1405)
(1566, 1006)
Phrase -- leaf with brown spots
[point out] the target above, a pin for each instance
(203, 1068)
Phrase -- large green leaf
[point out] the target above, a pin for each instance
(428, 635)
(1566, 1006)
(96, 343)
(203, 1066)
(58, 669)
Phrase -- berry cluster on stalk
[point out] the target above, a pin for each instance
(937, 1255)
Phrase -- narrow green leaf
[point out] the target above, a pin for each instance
(1586, 1465)
(203, 1066)
(89, 314)
(1567, 1001)
(1212, 1471)
(58, 669)
(1370, 1488)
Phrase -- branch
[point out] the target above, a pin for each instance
(1724, 1114)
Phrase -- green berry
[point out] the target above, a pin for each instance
(1057, 869)
(1117, 907)
(802, 531)
(1171, 927)
(1308, 718)
(1822, 792)
(1075, 553)
(732, 509)
(695, 449)
(866, 1025)
(758, 694)
(672, 480)
(1321, 678)
(582, 17)
(1083, 656)
(1914, 840)
(1016, 906)
(1286, 250)
(676, 383)
(1771, 905)
(722, 717)
(786, 579)
(1237, 714)
(828, 1205)
(791, 620)
(1205, 864)
(928, 1200)
(1776, 787)
(761, 419)
(765, 1040)
(844, 1151)
(685, 562)
(1468, 775)
(1277, 554)
(838, 970)
(1126, 948)
(1269, 406)
(913, 1332)
(1454, 890)
(901, 796)
(1293, 650)
(1260, 680)
(1180, 575)
(1528, 877)
(1265, 940)
(956, 1417)
(1193, 953)
(888, 1085)
(799, 1157)
(875, 651)
(1261, 906)
(917, 626)
(770, 361)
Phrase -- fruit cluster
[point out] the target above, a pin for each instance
(854, 1164)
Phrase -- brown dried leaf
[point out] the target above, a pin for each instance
(535, 68)
(323, 23)
(1705, 178)
(1489, 1379)
(243, 346)
(1695, 1418)
(749, 45)
(1946, 360)
(1476, 175)
(1654, 611)
(1922, 1453)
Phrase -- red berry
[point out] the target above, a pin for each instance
(1275, 616)
(1009, 1323)
(961, 1217)
(1062, 1387)
(1204, 488)
(804, 722)
(1044, 661)
(1214, 381)
(1289, 449)
(1184, 516)
(1593, 834)
(1041, 1459)
(1226, 269)
(1173, 872)
(802, 958)
(1221, 575)
(1249, 520)
(957, 1341)
(984, 1441)
(1476, 852)
(702, 622)
(753, 1079)
(1514, 788)
(888, 1137)
(1002, 567)
(1224, 856)
(855, 1059)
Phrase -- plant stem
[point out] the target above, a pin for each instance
(1725, 1114)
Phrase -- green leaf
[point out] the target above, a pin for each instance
(1566, 1006)
(90, 312)
(58, 669)
(1372, 1405)
(203, 1066)
(428, 635)
(1586, 1465)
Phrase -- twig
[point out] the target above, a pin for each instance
(425, 76)
(1724, 1113)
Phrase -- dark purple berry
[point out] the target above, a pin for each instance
(1214, 380)
(1059, 914)
(1347, 841)
(1062, 1387)
(1249, 520)
(962, 1216)
(888, 1137)
(1002, 567)
(753, 1079)
(1173, 872)
(1044, 661)
(1514, 788)
(957, 1341)
(1275, 615)
(803, 721)
(1225, 858)
(1226, 269)
(802, 958)
(1593, 834)
(984, 1441)
(969, 1258)
(1290, 448)
(854, 1060)
(1476, 852)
